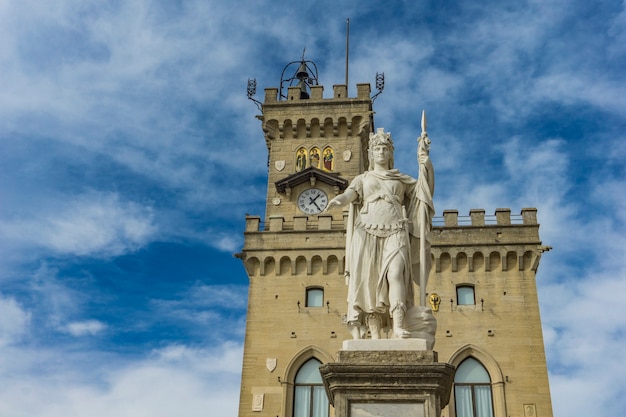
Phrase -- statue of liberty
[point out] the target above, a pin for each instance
(387, 245)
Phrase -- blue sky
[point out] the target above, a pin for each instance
(129, 155)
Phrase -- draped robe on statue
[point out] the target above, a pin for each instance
(378, 233)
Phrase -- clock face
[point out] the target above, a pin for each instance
(312, 201)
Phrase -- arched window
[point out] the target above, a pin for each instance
(472, 390)
(314, 297)
(309, 396)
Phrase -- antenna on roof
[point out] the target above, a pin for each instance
(380, 84)
(347, 48)
(252, 91)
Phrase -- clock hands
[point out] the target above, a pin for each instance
(312, 201)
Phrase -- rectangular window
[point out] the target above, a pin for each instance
(314, 297)
(465, 295)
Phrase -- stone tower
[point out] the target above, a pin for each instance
(482, 283)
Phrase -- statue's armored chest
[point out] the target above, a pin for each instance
(382, 205)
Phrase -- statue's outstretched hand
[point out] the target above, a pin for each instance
(331, 203)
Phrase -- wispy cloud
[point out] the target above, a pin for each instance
(94, 224)
(14, 321)
(86, 327)
(172, 379)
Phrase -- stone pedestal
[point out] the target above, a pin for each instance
(387, 383)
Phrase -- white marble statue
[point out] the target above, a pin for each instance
(387, 244)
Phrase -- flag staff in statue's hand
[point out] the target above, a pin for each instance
(425, 208)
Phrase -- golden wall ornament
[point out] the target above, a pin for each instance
(434, 301)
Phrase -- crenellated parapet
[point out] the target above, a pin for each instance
(502, 216)
(449, 220)
(351, 117)
(477, 242)
(496, 243)
(340, 92)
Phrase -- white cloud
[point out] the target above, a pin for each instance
(228, 360)
(617, 32)
(56, 302)
(93, 224)
(207, 311)
(578, 87)
(174, 380)
(224, 296)
(14, 321)
(224, 241)
(85, 327)
(584, 321)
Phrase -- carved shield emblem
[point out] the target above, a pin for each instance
(280, 165)
(270, 363)
(347, 154)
